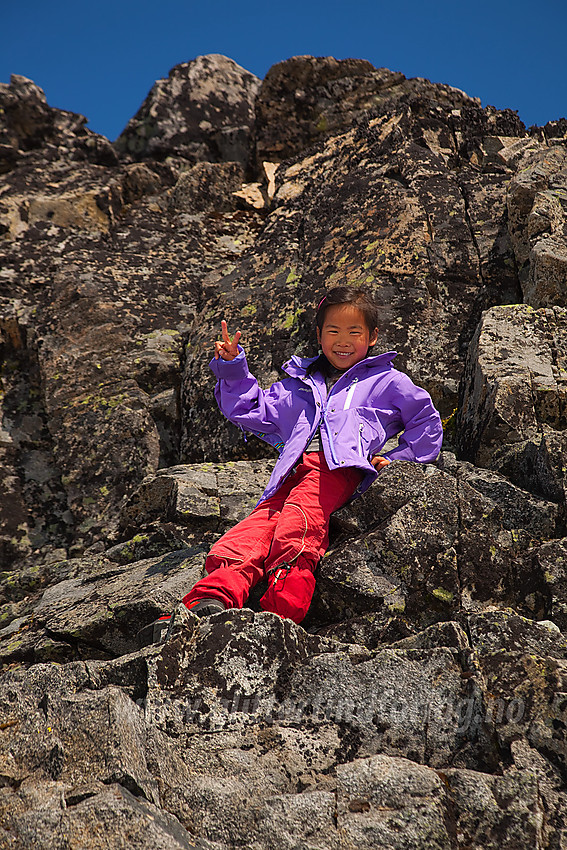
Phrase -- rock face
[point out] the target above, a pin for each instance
(513, 415)
(422, 701)
(203, 112)
(537, 201)
(304, 100)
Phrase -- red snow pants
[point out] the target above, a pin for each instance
(283, 538)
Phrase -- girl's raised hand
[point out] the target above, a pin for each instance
(227, 349)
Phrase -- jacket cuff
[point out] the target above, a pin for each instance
(399, 453)
(230, 370)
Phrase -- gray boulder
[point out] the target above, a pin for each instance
(537, 200)
(512, 414)
(203, 112)
(94, 607)
(246, 730)
(429, 545)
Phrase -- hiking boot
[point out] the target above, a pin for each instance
(155, 632)
(164, 627)
(167, 625)
(206, 607)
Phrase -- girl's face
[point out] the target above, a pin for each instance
(345, 338)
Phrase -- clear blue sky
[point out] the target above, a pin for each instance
(101, 58)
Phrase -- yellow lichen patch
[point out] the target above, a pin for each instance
(248, 310)
(291, 319)
(442, 594)
(449, 422)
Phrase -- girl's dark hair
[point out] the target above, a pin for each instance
(349, 295)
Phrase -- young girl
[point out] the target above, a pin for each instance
(329, 420)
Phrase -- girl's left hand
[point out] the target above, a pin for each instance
(379, 462)
(227, 349)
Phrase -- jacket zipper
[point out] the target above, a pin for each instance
(360, 429)
(350, 393)
(321, 405)
(329, 436)
(323, 421)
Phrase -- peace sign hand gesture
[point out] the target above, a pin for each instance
(226, 349)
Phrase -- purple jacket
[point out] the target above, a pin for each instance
(368, 405)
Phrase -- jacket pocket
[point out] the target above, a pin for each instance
(372, 435)
(354, 436)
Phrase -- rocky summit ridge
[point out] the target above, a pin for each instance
(423, 702)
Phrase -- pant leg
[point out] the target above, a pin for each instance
(236, 561)
(301, 535)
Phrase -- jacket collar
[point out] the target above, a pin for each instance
(297, 366)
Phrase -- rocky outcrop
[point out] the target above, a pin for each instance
(28, 123)
(421, 702)
(537, 201)
(96, 335)
(305, 739)
(203, 112)
(304, 100)
(513, 413)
